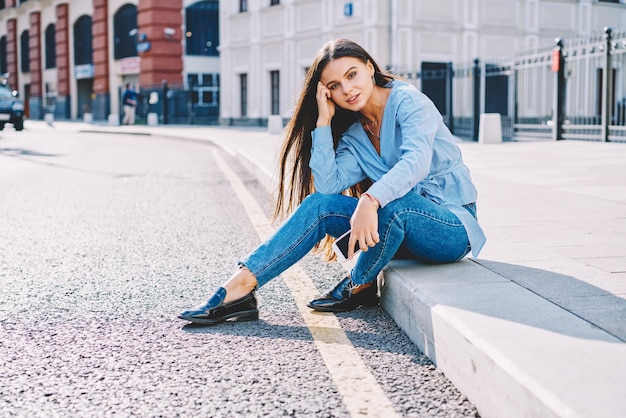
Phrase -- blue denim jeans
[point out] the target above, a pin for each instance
(430, 233)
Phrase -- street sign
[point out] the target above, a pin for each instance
(347, 9)
(143, 47)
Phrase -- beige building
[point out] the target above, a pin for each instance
(267, 45)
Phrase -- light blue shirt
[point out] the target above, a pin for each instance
(417, 154)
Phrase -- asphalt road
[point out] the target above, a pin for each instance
(105, 238)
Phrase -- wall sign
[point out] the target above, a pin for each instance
(143, 46)
(347, 9)
(84, 71)
(130, 65)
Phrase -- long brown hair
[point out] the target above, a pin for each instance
(295, 179)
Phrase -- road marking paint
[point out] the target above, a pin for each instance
(360, 391)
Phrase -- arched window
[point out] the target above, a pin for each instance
(25, 51)
(202, 28)
(3, 55)
(125, 32)
(51, 53)
(83, 47)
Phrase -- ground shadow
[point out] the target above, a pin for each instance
(485, 287)
(21, 152)
(591, 303)
(380, 327)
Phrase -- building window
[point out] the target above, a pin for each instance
(3, 55)
(202, 28)
(51, 53)
(204, 88)
(83, 49)
(274, 2)
(2, 5)
(243, 94)
(275, 94)
(125, 32)
(243, 6)
(25, 51)
(609, 1)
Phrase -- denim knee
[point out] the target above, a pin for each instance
(322, 200)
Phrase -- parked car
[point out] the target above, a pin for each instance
(11, 107)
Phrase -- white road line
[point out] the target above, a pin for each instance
(361, 393)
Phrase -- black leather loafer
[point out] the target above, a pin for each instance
(215, 311)
(347, 296)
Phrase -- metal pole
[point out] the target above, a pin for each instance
(558, 66)
(476, 99)
(450, 98)
(165, 110)
(607, 85)
(512, 103)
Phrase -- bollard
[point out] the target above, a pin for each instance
(490, 128)
(153, 119)
(88, 117)
(274, 124)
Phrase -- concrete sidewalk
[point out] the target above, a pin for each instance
(535, 327)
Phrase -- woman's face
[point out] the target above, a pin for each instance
(349, 81)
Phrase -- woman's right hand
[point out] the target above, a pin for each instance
(364, 225)
(325, 105)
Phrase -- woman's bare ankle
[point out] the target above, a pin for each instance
(240, 284)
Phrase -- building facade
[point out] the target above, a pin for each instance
(267, 45)
(74, 57)
(242, 61)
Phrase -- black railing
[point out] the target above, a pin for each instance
(557, 92)
(173, 105)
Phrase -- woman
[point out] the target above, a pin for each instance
(366, 152)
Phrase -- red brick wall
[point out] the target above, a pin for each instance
(101, 46)
(62, 49)
(164, 60)
(34, 54)
(12, 53)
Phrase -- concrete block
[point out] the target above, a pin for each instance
(153, 119)
(484, 331)
(88, 117)
(114, 119)
(274, 124)
(490, 130)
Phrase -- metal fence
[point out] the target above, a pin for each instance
(557, 92)
(561, 91)
(174, 105)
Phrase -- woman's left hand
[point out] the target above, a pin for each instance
(364, 223)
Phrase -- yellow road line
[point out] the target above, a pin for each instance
(360, 391)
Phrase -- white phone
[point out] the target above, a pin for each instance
(340, 246)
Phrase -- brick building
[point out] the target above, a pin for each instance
(72, 57)
(244, 60)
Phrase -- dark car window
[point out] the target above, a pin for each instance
(5, 91)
